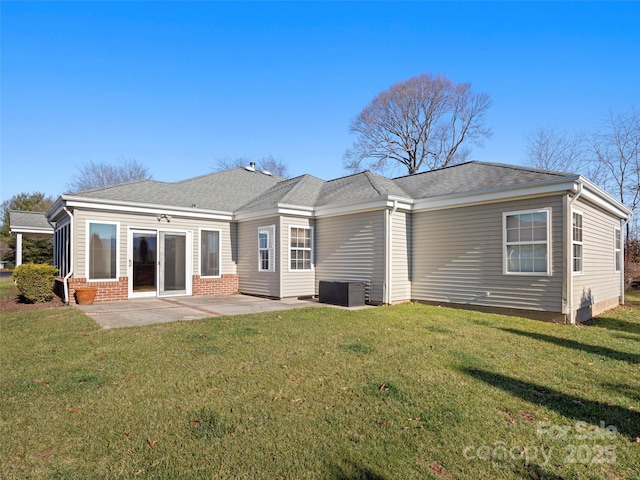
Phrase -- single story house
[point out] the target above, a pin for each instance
(477, 234)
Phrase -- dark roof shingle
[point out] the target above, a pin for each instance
(238, 189)
(472, 177)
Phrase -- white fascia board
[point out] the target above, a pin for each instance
(117, 206)
(54, 209)
(48, 231)
(342, 208)
(280, 209)
(604, 200)
(494, 195)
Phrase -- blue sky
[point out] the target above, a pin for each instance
(177, 86)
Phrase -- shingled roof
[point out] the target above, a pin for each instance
(302, 191)
(227, 190)
(239, 189)
(472, 177)
(29, 222)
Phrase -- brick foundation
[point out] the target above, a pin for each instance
(107, 291)
(227, 284)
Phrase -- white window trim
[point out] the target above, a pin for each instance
(203, 229)
(312, 259)
(87, 247)
(270, 230)
(547, 241)
(617, 252)
(581, 243)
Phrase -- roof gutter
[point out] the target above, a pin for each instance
(133, 207)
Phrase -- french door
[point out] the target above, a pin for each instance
(158, 264)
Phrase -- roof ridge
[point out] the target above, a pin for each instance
(524, 168)
(300, 180)
(108, 187)
(436, 169)
(494, 164)
(226, 170)
(203, 175)
(346, 176)
(376, 186)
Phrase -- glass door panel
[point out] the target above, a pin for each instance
(172, 274)
(144, 262)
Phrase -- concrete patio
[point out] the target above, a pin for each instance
(146, 311)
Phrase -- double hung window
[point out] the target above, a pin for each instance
(526, 242)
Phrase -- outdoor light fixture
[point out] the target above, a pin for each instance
(165, 216)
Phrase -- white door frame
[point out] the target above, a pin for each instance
(188, 260)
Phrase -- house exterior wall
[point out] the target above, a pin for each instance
(251, 280)
(295, 283)
(227, 283)
(352, 248)
(458, 257)
(597, 288)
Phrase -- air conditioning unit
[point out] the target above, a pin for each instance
(345, 294)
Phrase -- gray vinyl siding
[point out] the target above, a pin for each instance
(401, 257)
(126, 221)
(351, 248)
(458, 257)
(599, 281)
(295, 283)
(250, 279)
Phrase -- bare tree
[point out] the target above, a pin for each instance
(422, 123)
(96, 175)
(616, 148)
(269, 164)
(548, 149)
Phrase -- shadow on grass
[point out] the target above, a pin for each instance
(614, 324)
(627, 422)
(536, 471)
(628, 337)
(585, 347)
(624, 389)
(352, 471)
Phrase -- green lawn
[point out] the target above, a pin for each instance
(409, 391)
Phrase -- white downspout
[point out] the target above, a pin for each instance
(390, 250)
(569, 250)
(622, 242)
(68, 275)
